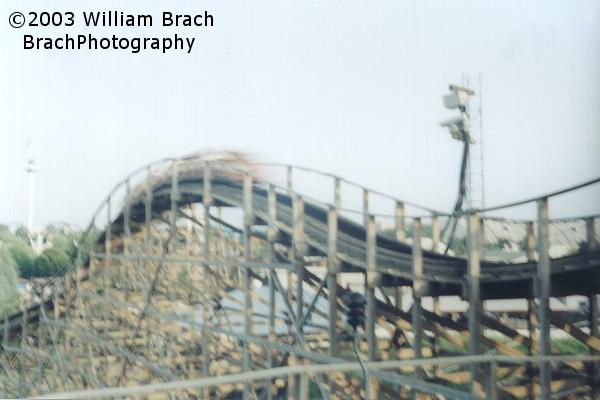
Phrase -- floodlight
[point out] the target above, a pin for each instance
(458, 126)
(455, 100)
(458, 97)
(456, 88)
(452, 122)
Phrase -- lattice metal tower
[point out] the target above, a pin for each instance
(474, 173)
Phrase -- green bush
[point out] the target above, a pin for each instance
(60, 242)
(9, 296)
(50, 263)
(54, 260)
(23, 256)
(65, 242)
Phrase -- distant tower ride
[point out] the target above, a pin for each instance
(36, 237)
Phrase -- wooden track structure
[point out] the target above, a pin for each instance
(201, 266)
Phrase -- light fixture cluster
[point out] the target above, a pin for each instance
(459, 126)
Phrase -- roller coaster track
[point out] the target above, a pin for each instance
(210, 267)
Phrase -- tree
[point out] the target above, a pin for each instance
(23, 256)
(9, 295)
(50, 263)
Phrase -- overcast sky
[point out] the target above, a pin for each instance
(349, 87)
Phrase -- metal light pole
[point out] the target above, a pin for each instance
(355, 315)
(360, 361)
(460, 129)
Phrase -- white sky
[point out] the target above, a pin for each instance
(348, 87)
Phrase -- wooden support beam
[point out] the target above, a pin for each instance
(436, 247)
(271, 236)
(247, 285)
(288, 179)
(372, 282)
(399, 214)
(491, 392)
(590, 340)
(436, 338)
(543, 246)
(337, 193)
(594, 368)
(175, 195)
(333, 269)
(299, 251)
(398, 291)
(532, 322)
(474, 312)
(365, 208)
(207, 201)
(436, 234)
(147, 211)
(418, 289)
(207, 198)
(590, 234)
(127, 242)
(491, 323)
(400, 233)
(106, 281)
(557, 385)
